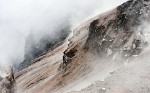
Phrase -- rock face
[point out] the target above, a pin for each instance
(8, 84)
(98, 44)
(114, 33)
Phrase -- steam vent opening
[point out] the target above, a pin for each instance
(61, 52)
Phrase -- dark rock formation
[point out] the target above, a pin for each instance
(117, 32)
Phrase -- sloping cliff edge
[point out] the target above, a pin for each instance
(98, 46)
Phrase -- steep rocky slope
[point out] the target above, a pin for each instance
(34, 49)
(99, 46)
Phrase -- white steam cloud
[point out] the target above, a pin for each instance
(20, 18)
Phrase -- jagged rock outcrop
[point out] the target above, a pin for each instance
(8, 83)
(115, 32)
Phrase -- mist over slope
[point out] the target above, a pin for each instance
(30, 28)
(34, 50)
(40, 19)
(104, 50)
